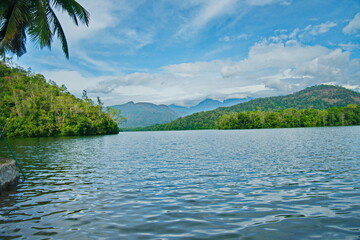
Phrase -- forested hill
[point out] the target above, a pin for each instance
(145, 114)
(317, 97)
(30, 107)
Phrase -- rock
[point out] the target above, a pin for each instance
(9, 174)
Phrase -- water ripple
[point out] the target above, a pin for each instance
(251, 184)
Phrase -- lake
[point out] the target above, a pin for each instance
(299, 183)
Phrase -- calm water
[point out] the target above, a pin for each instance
(247, 184)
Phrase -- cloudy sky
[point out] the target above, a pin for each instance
(182, 51)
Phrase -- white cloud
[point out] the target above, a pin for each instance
(286, 68)
(135, 39)
(73, 80)
(242, 36)
(101, 17)
(270, 69)
(312, 30)
(277, 65)
(294, 33)
(117, 26)
(210, 10)
(216, 51)
(266, 56)
(92, 47)
(328, 67)
(225, 39)
(286, 3)
(192, 69)
(322, 28)
(267, 2)
(349, 46)
(246, 90)
(96, 63)
(353, 26)
(298, 33)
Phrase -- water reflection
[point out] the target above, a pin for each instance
(251, 184)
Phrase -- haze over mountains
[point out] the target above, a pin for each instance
(204, 114)
(317, 97)
(207, 105)
(145, 114)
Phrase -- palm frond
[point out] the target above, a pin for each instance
(74, 9)
(39, 30)
(37, 19)
(17, 44)
(59, 32)
(15, 19)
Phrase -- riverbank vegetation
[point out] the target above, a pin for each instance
(290, 118)
(30, 106)
(319, 97)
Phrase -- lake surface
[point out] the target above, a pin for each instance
(245, 184)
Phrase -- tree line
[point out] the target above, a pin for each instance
(291, 118)
(316, 97)
(30, 106)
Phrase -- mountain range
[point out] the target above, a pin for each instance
(146, 114)
(207, 105)
(317, 97)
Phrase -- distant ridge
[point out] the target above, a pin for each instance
(146, 114)
(207, 105)
(318, 97)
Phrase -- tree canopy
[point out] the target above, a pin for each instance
(30, 106)
(316, 97)
(290, 118)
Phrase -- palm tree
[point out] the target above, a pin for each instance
(37, 19)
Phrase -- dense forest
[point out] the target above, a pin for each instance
(289, 118)
(317, 97)
(30, 106)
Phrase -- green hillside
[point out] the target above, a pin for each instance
(291, 118)
(316, 97)
(145, 114)
(30, 107)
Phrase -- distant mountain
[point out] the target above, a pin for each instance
(207, 105)
(145, 114)
(317, 97)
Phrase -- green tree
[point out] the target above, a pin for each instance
(115, 114)
(336, 116)
(37, 19)
(29, 107)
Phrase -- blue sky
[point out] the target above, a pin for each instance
(182, 51)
